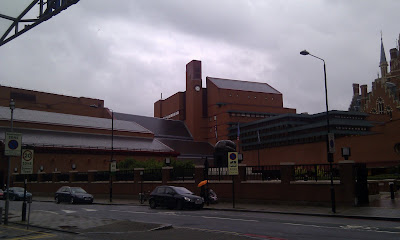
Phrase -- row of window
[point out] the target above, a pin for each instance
(171, 115)
(255, 97)
(253, 115)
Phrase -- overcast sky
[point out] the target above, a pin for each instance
(128, 52)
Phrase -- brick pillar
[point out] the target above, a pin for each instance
(166, 174)
(91, 174)
(39, 177)
(242, 172)
(287, 172)
(137, 178)
(198, 177)
(71, 176)
(55, 176)
(348, 180)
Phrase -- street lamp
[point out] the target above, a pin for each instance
(7, 206)
(329, 154)
(112, 161)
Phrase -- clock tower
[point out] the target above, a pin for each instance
(194, 99)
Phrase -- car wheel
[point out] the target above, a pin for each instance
(72, 201)
(152, 203)
(200, 206)
(57, 200)
(179, 205)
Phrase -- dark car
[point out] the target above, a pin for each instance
(174, 197)
(73, 195)
(17, 193)
(1, 194)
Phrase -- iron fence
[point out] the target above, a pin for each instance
(63, 177)
(218, 174)
(81, 177)
(263, 173)
(152, 175)
(124, 175)
(182, 174)
(47, 177)
(101, 176)
(316, 172)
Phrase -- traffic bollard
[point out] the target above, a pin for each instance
(391, 186)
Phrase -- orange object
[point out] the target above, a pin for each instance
(202, 183)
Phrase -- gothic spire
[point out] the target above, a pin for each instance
(383, 55)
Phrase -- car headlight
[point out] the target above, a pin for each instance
(187, 199)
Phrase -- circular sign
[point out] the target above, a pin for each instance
(27, 155)
(232, 156)
(13, 144)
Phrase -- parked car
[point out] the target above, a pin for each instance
(1, 194)
(72, 195)
(17, 193)
(174, 197)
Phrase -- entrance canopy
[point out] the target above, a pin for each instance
(18, 17)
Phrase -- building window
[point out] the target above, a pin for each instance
(380, 106)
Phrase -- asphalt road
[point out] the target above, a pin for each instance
(254, 225)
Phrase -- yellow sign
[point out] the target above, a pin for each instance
(233, 163)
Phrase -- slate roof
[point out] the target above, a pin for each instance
(33, 116)
(243, 85)
(46, 138)
(172, 133)
(162, 128)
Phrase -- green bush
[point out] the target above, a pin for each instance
(130, 164)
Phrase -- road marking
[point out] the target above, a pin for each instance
(68, 211)
(232, 219)
(39, 234)
(182, 215)
(347, 227)
(89, 210)
(45, 211)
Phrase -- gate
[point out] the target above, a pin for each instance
(361, 191)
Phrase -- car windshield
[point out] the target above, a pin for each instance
(18, 189)
(77, 190)
(182, 190)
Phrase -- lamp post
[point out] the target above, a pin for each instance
(112, 162)
(329, 154)
(7, 205)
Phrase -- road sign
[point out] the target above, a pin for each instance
(27, 161)
(12, 144)
(331, 141)
(113, 166)
(233, 163)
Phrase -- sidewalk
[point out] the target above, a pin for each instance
(383, 208)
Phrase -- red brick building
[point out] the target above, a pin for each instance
(210, 111)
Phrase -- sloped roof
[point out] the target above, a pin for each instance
(162, 128)
(33, 116)
(46, 138)
(189, 148)
(243, 85)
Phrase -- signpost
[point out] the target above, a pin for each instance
(26, 168)
(233, 169)
(13, 144)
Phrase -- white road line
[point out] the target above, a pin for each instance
(348, 227)
(67, 211)
(45, 211)
(174, 214)
(89, 210)
(232, 219)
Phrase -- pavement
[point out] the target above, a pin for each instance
(382, 208)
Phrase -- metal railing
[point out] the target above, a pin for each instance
(101, 176)
(263, 173)
(124, 175)
(218, 174)
(315, 172)
(182, 174)
(81, 177)
(152, 175)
